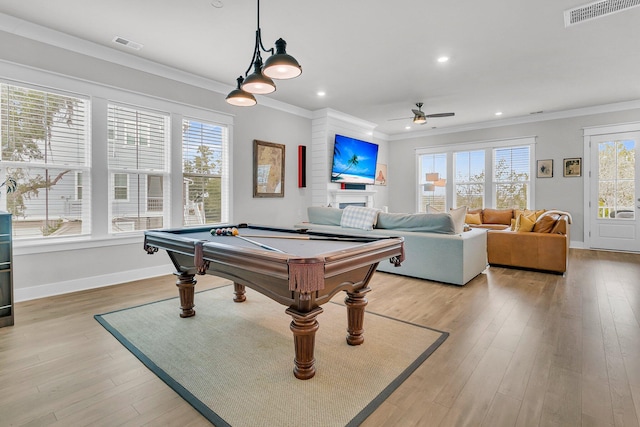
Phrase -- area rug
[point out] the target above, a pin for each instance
(233, 362)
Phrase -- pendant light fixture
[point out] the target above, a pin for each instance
(279, 65)
(241, 98)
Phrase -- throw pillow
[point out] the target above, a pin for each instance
(473, 218)
(528, 213)
(524, 224)
(545, 223)
(458, 215)
(359, 217)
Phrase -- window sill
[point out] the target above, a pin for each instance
(36, 246)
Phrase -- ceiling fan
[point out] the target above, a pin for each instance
(419, 116)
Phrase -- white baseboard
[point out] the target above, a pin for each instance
(576, 245)
(51, 289)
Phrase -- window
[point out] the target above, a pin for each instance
(433, 172)
(469, 179)
(511, 173)
(138, 168)
(120, 187)
(205, 172)
(494, 174)
(45, 149)
(616, 179)
(78, 185)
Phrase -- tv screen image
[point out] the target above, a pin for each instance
(354, 161)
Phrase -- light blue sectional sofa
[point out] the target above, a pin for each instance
(433, 249)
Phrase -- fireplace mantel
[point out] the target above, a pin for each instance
(338, 196)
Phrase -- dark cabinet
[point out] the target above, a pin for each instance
(6, 271)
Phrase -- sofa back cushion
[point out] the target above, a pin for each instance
(546, 223)
(324, 216)
(497, 216)
(427, 223)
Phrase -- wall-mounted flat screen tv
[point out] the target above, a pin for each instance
(354, 161)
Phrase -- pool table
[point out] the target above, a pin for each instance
(297, 268)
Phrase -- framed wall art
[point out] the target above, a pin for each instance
(545, 168)
(572, 166)
(381, 174)
(268, 169)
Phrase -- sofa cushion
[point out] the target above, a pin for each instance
(323, 215)
(473, 218)
(546, 223)
(359, 217)
(459, 215)
(427, 223)
(529, 213)
(497, 216)
(524, 223)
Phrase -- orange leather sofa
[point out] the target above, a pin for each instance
(545, 247)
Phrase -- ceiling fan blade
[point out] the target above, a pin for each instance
(401, 118)
(417, 112)
(441, 115)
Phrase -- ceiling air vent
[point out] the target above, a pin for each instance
(596, 10)
(127, 43)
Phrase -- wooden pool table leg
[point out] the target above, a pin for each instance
(186, 288)
(304, 327)
(356, 303)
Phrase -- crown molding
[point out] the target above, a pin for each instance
(61, 40)
(577, 112)
(29, 30)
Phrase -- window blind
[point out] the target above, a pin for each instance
(45, 149)
(137, 143)
(205, 168)
(469, 179)
(511, 176)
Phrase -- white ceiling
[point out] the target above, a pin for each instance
(375, 59)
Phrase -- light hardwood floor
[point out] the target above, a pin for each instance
(526, 349)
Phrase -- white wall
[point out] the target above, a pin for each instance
(43, 271)
(556, 139)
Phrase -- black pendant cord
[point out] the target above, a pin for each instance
(258, 45)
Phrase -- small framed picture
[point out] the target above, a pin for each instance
(545, 168)
(381, 174)
(572, 167)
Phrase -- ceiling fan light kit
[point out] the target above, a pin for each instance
(279, 65)
(420, 118)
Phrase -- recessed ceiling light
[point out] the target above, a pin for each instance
(321, 93)
(443, 59)
(499, 113)
(407, 127)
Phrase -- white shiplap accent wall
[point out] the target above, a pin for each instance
(325, 125)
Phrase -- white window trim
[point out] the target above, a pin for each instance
(488, 146)
(589, 132)
(99, 96)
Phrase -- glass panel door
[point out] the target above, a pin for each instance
(615, 198)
